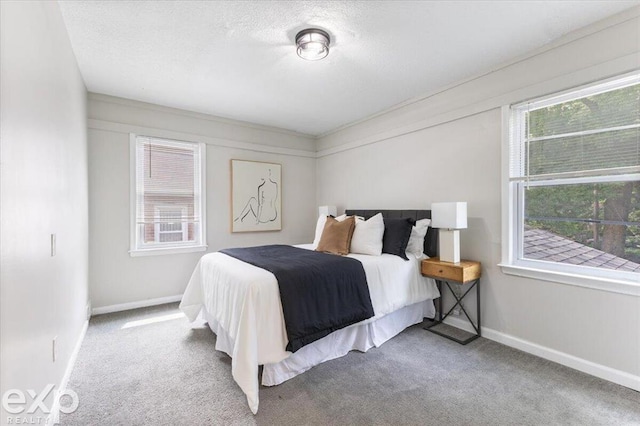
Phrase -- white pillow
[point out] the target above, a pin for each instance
(367, 237)
(416, 241)
(322, 219)
(344, 216)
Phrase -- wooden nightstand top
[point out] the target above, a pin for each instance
(463, 272)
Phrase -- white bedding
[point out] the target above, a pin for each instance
(243, 301)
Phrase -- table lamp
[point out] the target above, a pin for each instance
(449, 218)
(328, 211)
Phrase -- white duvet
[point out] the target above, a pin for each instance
(244, 300)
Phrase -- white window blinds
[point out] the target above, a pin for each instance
(168, 193)
(592, 132)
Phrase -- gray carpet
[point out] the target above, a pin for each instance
(167, 373)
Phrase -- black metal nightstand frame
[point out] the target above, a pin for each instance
(476, 326)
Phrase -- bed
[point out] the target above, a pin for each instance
(241, 304)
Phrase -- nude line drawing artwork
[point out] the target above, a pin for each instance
(256, 196)
(262, 208)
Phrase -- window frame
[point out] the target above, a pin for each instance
(513, 263)
(136, 247)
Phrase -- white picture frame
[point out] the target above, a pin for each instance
(256, 196)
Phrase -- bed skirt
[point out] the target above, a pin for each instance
(360, 337)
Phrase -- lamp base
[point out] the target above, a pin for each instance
(450, 245)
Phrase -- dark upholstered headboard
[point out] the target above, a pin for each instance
(431, 239)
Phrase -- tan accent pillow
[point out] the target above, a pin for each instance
(336, 236)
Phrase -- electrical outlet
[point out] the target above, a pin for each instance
(53, 348)
(53, 245)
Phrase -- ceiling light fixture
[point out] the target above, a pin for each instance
(313, 44)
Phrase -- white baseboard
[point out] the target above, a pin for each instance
(134, 305)
(54, 415)
(598, 370)
(462, 323)
(73, 357)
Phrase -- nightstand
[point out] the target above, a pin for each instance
(466, 273)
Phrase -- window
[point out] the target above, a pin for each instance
(167, 196)
(574, 183)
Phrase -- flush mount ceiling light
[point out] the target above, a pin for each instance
(313, 44)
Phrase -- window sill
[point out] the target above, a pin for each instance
(596, 283)
(166, 250)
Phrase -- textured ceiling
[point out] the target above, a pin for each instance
(237, 59)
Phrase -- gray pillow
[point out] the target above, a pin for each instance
(396, 236)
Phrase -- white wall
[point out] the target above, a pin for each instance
(43, 190)
(447, 147)
(115, 277)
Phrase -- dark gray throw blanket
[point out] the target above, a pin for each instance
(320, 292)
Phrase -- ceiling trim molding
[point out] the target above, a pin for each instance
(625, 64)
(596, 27)
(124, 128)
(193, 114)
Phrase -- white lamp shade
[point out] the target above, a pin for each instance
(328, 211)
(449, 215)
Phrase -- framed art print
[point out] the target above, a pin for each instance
(256, 196)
